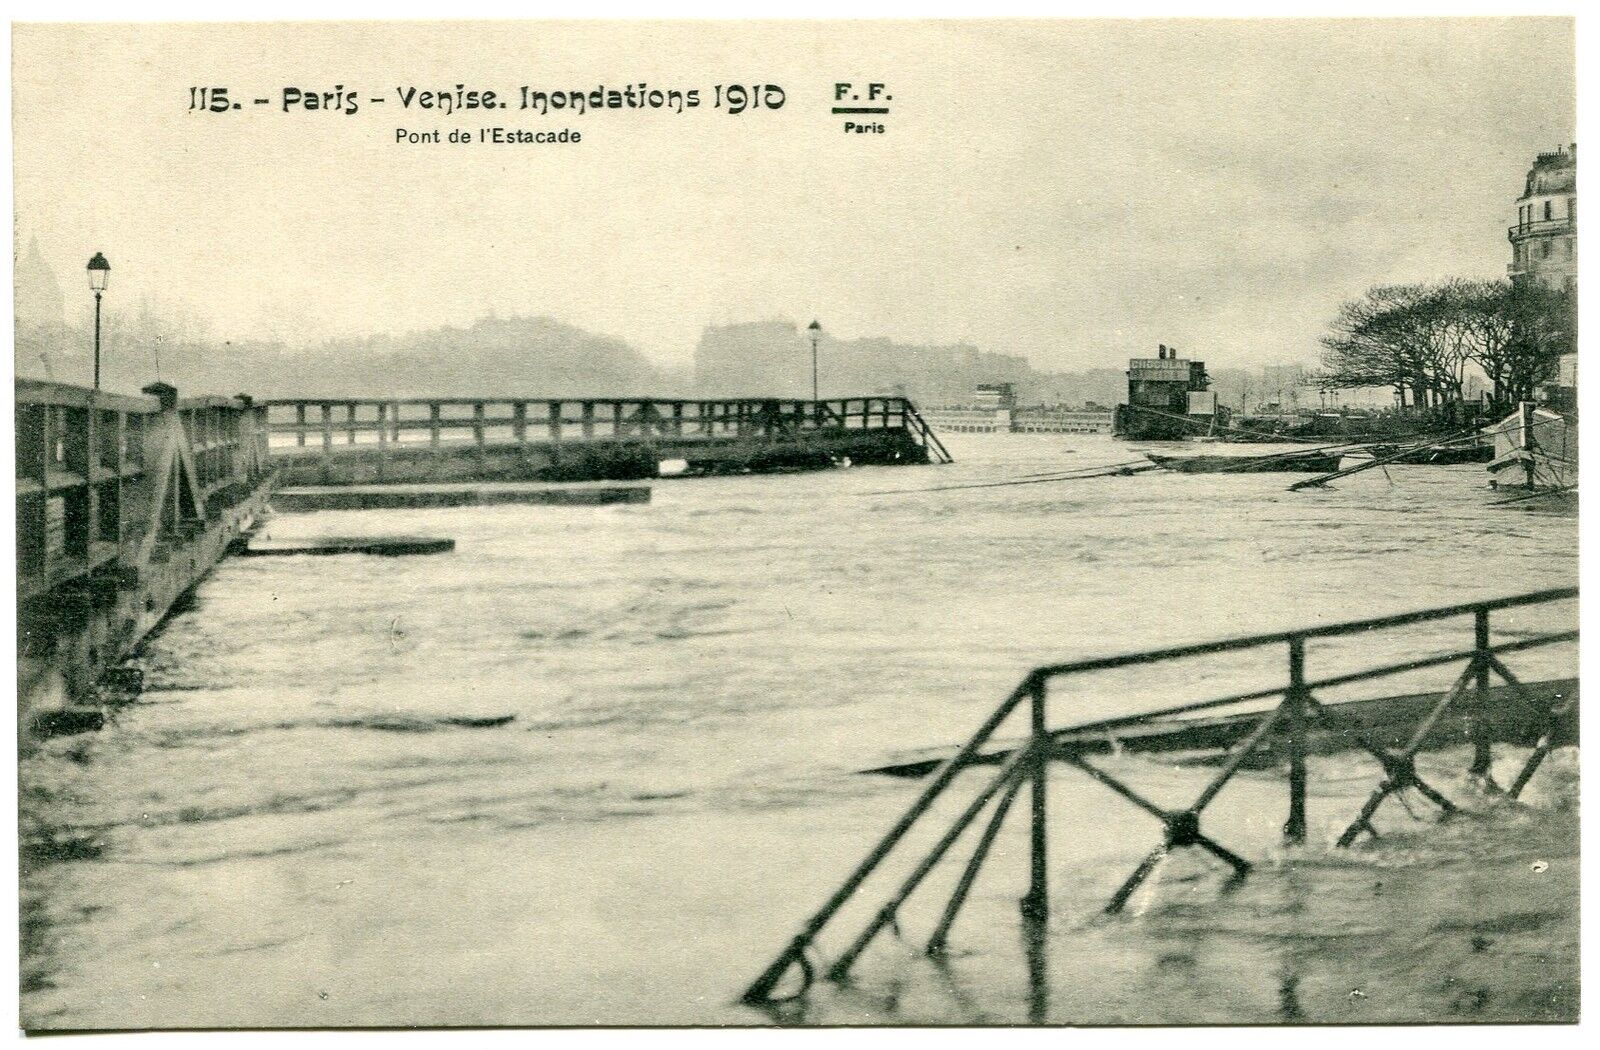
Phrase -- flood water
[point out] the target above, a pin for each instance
(293, 826)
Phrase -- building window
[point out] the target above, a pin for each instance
(1547, 210)
(1544, 249)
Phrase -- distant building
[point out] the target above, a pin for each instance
(994, 410)
(1169, 397)
(994, 395)
(967, 420)
(1088, 420)
(1544, 240)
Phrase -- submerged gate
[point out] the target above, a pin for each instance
(1546, 719)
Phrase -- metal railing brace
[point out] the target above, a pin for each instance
(1291, 718)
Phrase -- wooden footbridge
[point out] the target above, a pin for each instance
(124, 503)
(361, 441)
(1391, 731)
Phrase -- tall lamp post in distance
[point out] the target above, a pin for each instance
(99, 276)
(816, 333)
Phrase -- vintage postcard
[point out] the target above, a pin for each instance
(817, 523)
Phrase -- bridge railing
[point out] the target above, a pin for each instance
(100, 476)
(1289, 722)
(300, 422)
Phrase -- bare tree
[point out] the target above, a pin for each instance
(1425, 340)
(1382, 339)
(1544, 328)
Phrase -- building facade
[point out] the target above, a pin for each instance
(1169, 397)
(1544, 237)
(994, 395)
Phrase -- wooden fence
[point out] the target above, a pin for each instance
(103, 479)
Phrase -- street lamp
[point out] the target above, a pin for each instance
(816, 333)
(99, 277)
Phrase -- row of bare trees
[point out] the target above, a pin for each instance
(1424, 340)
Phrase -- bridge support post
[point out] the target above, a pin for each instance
(1482, 750)
(327, 442)
(383, 441)
(1294, 830)
(1036, 905)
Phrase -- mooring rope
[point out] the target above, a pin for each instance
(1137, 467)
(1457, 438)
(1378, 461)
(1105, 470)
(1244, 464)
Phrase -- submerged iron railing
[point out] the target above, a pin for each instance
(1292, 718)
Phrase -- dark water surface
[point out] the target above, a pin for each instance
(292, 827)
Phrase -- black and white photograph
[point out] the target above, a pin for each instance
(775, 522)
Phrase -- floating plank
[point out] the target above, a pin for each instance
(480, 494)
(68, 721)
(416, 724)
(385, 546)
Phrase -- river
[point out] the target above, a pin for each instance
(291, 827)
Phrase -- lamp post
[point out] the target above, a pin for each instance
(99, 276)
(816, 332)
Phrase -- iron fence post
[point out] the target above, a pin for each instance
(1036, 905)
(1482, 752)
(1294, 830)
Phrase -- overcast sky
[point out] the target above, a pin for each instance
(1070, 191)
